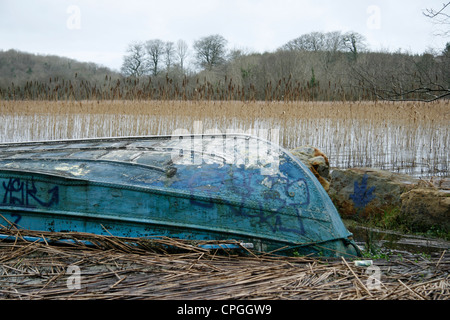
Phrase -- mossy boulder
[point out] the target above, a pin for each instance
(408, 202)
(377, 195)
(365, 192)
(426, 208)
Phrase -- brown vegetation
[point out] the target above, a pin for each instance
(387, 135)
(129, 268)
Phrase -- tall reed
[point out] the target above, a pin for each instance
(409, 137)
(196, 88)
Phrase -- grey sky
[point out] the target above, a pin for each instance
(99, 31)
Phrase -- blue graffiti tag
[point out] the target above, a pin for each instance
(362, 195)
(17, 217)
(23, 193)
(272, 217)
(242, 183)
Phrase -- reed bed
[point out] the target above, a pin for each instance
(133, 268)
(210, 87)
(407, 137)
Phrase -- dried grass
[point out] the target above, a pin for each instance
(126, 268)
(410, 137)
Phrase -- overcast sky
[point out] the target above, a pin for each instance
(99, 31)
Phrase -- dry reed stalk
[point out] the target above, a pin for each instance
(408, 136)
(115, 269)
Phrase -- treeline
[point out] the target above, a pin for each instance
(314, 66)
(17, 68)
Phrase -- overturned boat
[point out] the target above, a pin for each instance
(195, 187)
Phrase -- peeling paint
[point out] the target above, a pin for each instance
(76, 170)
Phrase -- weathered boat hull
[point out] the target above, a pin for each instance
(189, 187)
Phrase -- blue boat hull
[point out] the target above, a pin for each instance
(285, 210)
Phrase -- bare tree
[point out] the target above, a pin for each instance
(210, 51)
(314, 41)
(155, 50)
(181, 53)
(354, 42)
(440, 17)
(317, 41)
(169, 53)
(134, 63)
(401, 77)
(416, 78)
(446, 63)
(334, 41)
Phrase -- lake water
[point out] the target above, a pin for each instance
(419, 151)
(395, 242)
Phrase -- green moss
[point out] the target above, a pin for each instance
(390, 219)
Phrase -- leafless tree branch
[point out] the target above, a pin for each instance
(439, 17)
(431, 13)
